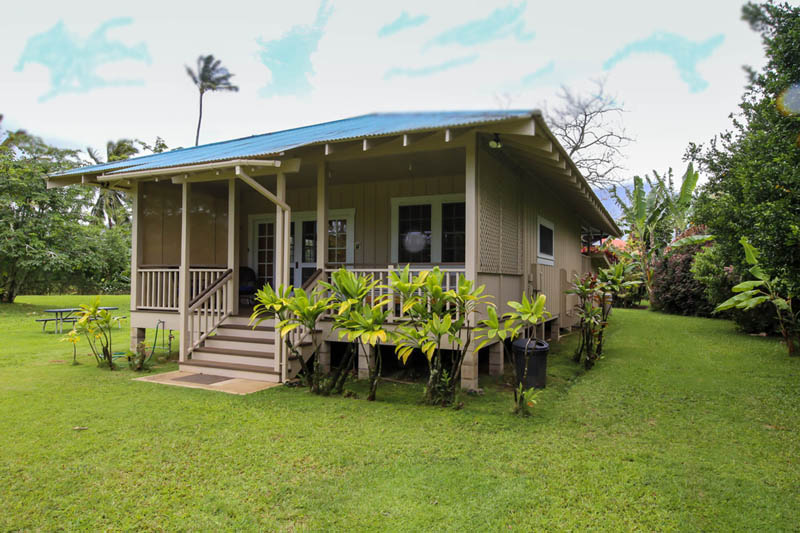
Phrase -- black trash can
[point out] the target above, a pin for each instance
(537, 361)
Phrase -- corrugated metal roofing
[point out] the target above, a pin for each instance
(376, 124)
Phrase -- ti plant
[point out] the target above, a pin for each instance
(526, 314)
(612, 282)
(362, 322)
(435, 320)
(763, 289)
(590, 318)
(73, 338)
(292, 309)
(96, 325)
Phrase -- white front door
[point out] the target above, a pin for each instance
(302, 244)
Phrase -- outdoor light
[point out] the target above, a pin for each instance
(495, 142)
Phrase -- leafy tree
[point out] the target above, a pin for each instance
(210, 76)
(37, 224)
(754, 168)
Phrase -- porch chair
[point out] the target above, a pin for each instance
(247, 285)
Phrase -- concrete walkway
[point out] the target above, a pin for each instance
(209, 382)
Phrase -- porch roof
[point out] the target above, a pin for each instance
(269, 144)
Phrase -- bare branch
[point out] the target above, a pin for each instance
(590, 128)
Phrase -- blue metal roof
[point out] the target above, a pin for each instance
(376, 124)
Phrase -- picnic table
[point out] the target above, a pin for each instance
(63, 315)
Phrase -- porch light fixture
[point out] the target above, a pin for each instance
(495, 142)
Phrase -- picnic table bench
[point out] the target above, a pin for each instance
(64, 315)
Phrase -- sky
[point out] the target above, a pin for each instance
(82, 73)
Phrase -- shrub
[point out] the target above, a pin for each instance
(718, 279)
(675, 289)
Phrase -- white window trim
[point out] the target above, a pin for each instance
(542, 258)
(435, 201)
(298, 216)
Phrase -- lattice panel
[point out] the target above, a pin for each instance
(491, 214)
(512, 242)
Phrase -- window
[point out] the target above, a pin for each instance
(453, 232)
(546, 242)
(428, 229)
(414, 225)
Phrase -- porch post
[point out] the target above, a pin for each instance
(183, 283)
(281, 261)
(137, 334)
(233, 248)
(322, 216)
(469, 369)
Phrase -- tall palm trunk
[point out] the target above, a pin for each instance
(199, 120)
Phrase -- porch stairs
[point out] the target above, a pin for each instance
(236, 350)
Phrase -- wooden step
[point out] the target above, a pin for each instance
(231, 370)
(230, 351)
(245, 320)
(260, 327)
(233, 338)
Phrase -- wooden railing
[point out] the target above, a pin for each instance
(158, 288)
(208, 309)
(381, 275)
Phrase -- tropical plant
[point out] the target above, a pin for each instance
(679, 205)
(73, 338)
(293, 308)
(210, 76)
(765, 289)
(96, 325)
(590, 315)
(366, 324)
(526, 314)
(348, 292)
(612, 281)
(643, 210)
(436, 320)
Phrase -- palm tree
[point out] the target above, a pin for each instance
(210, 76)
(111, 205)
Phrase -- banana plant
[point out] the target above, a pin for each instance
(526, 314)
(764, 289)
(679, 206)
(294, 308)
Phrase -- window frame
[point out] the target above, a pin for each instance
(541, 257)
(435, 201)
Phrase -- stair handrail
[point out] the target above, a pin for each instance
(205, 316)
(221, 279)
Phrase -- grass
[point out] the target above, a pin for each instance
(684, 425)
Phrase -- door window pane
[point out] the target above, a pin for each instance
(414, 228)
(453, 232)
(309, 241)
(337, 241)
(265, 252)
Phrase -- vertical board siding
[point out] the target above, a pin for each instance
(371, 201)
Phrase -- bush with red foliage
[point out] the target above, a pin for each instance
(675, 290)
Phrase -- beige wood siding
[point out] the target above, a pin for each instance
(371, 201)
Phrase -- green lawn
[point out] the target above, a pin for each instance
(685, 425)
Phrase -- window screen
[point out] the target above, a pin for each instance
(453, 234)
(414, 232)
(545, 240)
